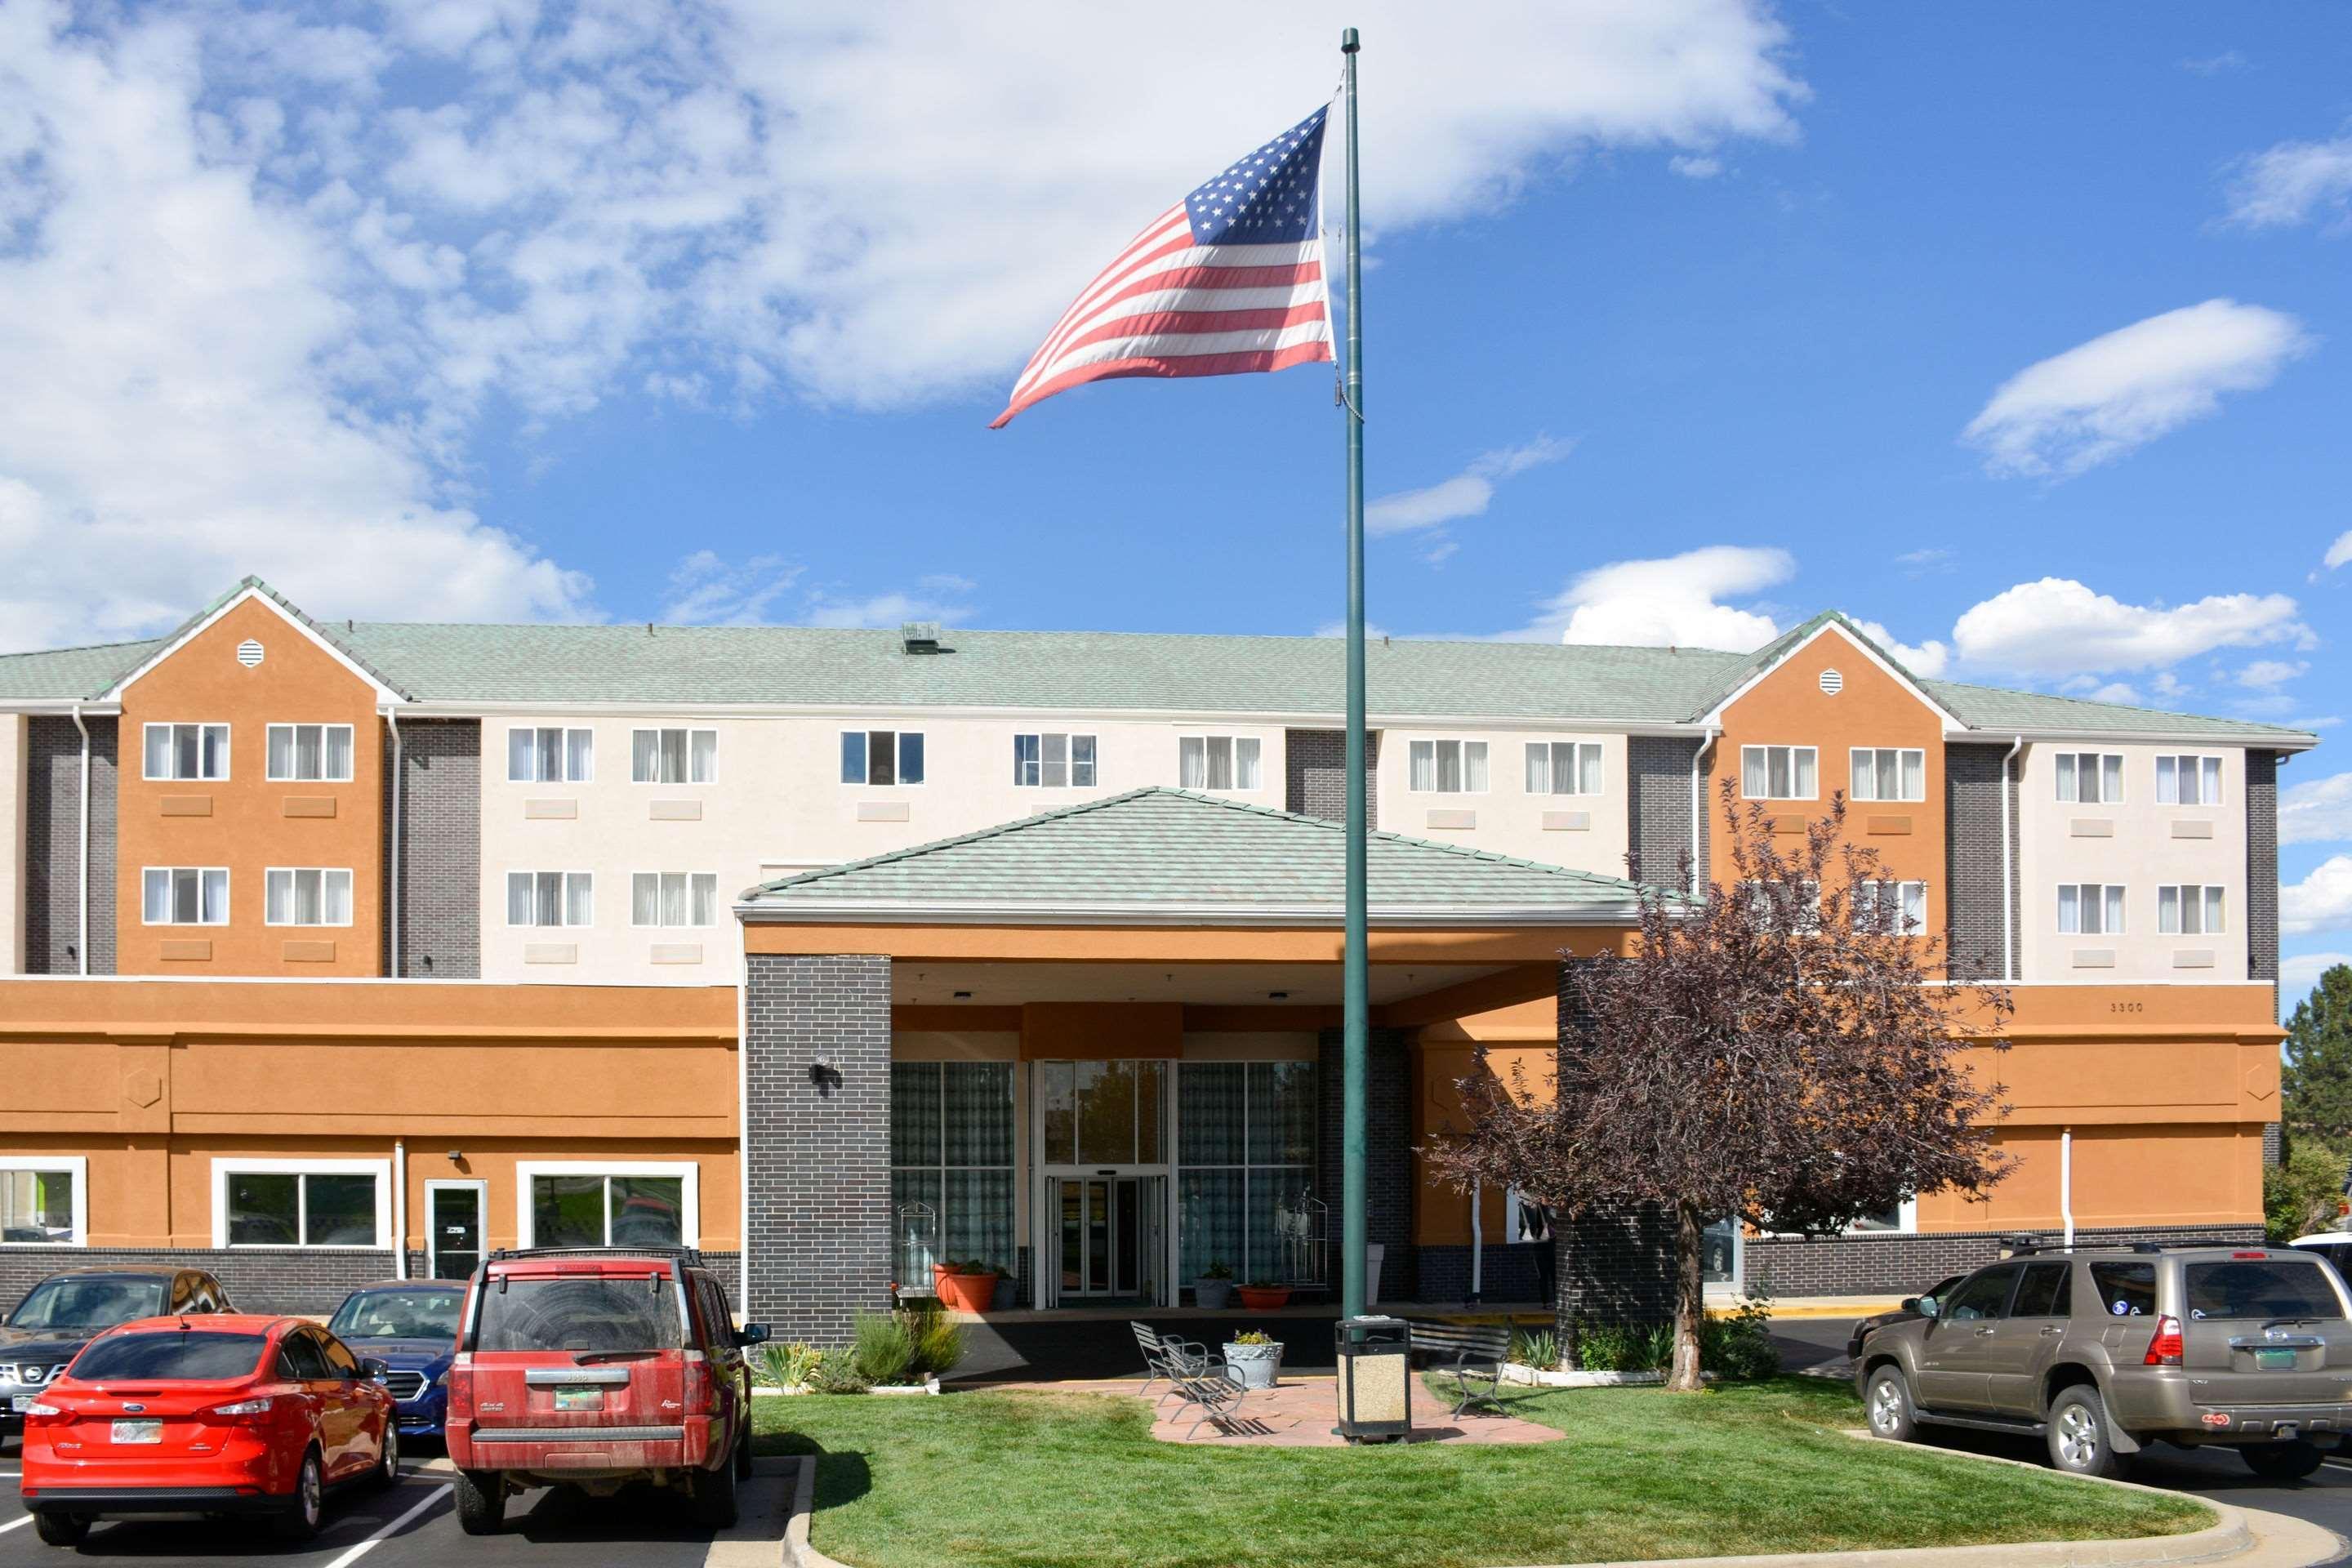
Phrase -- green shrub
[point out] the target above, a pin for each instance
(937, 1342)
(1623, 1347)
(1538, 1349)
(1739, 1348)
(834, 1374)
(785, 1366)
(882, 1350)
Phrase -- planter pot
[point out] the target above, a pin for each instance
(1007, 1294)
(1262, 1298)
(1212, 1295)
(929, 1385)
(967, 1292)
(1255, 1366)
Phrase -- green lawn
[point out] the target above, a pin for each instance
(1076, 1481)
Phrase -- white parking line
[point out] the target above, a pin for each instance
(14, 1523)
(362, 1550)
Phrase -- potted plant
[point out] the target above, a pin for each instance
(1264, 1295)
(966, 1285)
(1254, 1359)
(1213, 1290)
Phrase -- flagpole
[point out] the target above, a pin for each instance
(1355, 1001)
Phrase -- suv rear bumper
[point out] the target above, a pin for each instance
(685, 1446)
(2169, 1407)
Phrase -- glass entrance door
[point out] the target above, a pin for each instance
(1111, 1236)
(452, 1228)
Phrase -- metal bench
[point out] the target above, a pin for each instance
(1472, 1355)
(1217, 1394)
(1170, 1360)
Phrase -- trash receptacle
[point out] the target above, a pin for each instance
(1375, 1358)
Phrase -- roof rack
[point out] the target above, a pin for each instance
(689, 1255)
(2022, 1246)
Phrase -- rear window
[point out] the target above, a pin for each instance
(2126, 1289)
(2261, 1287)
(85, 1303)
(167, 1356)
(579, 1313)
(398, 1315)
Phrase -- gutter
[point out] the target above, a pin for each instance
(2008, 891)
(1698, 809)
(1411, 917)
(82, 931)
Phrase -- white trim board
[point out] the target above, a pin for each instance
(384, 695)
(1714, 716)
(690, 1218)
(224, 1168)
(75, 1165)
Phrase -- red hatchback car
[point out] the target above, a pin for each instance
(230, 1414)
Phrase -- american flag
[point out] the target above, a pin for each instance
(1228, 279)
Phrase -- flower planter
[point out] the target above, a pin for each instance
(1255, 1366)
(1262, 1298)
(1540, 1378)
(966, 1292)
(929, 1385)
(1212, 1295)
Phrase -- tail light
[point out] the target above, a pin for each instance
(461, 1390)
(242, 1412)
(701, 1388)
(2166, 1349)
(39, 1411)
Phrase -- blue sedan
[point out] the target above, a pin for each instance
(411, 1325)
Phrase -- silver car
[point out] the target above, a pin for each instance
(2101, 1350)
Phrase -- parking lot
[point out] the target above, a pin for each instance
(412, 1526)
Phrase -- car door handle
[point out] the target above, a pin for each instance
(2053, 1330)
(1987, 1333)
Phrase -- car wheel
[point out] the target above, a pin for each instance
(300, 1520)
(1888, 1406)
(481, 1501)
(61, 1529)
(714, 1498)
(2082, 1442)
(743, 1452)
(387, 1461)
(2283, 1462)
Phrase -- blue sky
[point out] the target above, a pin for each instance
(2022, 333)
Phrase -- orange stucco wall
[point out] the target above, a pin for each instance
(244, 824)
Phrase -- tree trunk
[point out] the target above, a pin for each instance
(1690, 1296)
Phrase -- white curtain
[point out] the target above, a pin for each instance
(673, 756)
(1754, 780)
(579, 755)
(1538, 767)
(1802, 757)
(2111, 779)
(1245, 763)
(1424, 773)
(2070, 909)
(645, 756)
(2115, 911)
(1915, 775)
(335, 903)
(309, 763)
(579, 899)
(645, 899)
(159, 752)
(157, 905)
(2213, 911)
(1589, 754)
(281, 751)
(1474, 766)
(2209, 771)
(703, 762)
(1220, 761)
(673, 897)
(1053, 763)
(339, 752)
(522, 753)
(519, 903)
(215, 755)
(1192, 763)
(2168, 780)
(706, 898)
(2067, 789)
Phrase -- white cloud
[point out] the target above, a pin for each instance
(2298, 972)
(942, 597)
(2321, 901)
(708, 590)
(2214, 65)
(2293, 182)
(2340, 552)
(2101, 399)
(2057, 628)
(1920, 563)
(1927, 660)
(1695, 166)
(1676, 601)
(2317, 811)
(2266, 673)
(1426, 511)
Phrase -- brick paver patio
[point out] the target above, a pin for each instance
(1299, 1412)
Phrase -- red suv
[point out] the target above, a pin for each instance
(594, 1367)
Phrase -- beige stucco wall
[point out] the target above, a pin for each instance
(2135, 844)
(1508, 820)
(12, 844)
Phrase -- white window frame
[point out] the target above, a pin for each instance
(2057, 908)
(688, 924)
(898, 758)
(350, 751)
(1872, 752)
(350, 897)
(228, 894)
(568, 730)
(1902, 886)
(1551, 749)
(1234, 741)
(2220, 776)
(1070, 739)
(223, 1169)
(1432, 743)
(689, 732)
(227, 750)
(1792, 749)
(1906, 1222)
(2179, 891)
(2057, 787)
(74, 1165)
(690, 1192)
(535, 872)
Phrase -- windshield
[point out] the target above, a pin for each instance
(70, 1303)
(579, 1313)
(2259, 1287)
(195, 1356)
(397, 1315)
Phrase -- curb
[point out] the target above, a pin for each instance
(798, 1553)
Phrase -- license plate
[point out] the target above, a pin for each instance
(138, 1431)
(2274, 1360)
(20, 1402)
(580, 1399)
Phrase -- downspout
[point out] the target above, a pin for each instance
(81, 932)
(1698, 810)
(2008, 891)
(392, 919)
(2066, 1181)
(399, 1209)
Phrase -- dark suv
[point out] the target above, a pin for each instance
(2104, 1349)
(73, 1307)
(595, 1367)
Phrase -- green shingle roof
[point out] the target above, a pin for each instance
(1183, 851)
(458, 665)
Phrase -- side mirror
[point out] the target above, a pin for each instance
(751, 1335)
(1911, 1303)
(374, 1369)
(1929, 1307)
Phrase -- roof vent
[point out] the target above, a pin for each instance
(921, 637)
(248, 653)
(1831, 683)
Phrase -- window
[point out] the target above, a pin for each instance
(1779, 773)
(43, 1201)
(579, 1313)
(551, 898)
(951, 1133)
(2046, 1291)
(310, 751)
(307, 896)
(881, 756)
(2187, 781)
(301, 1203)
(1447, 767)
(2126, 1289)
(551, 756)
(599, 1204)
(1981, 1296)
(2090, 778)
(1055, 762)
(1890, 906)
(673, 756)
(185, 895)
(2275, 1288)
(2090, 908)
(674, 899)
(1217, 761)
(1563, 767)
(1245, 1158)
(187, 751)
(1797, 905)
(2188, 909)
(1885, 772)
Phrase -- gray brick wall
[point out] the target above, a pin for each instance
(257, 1278)
(1388, 1151)
(1889, 1265)
(53, 845)
(818, 1155)
(1972, 870)
(2273, 1144)
(2261, 870)
(440, 850)
(1658, 808)
(1316, 764)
